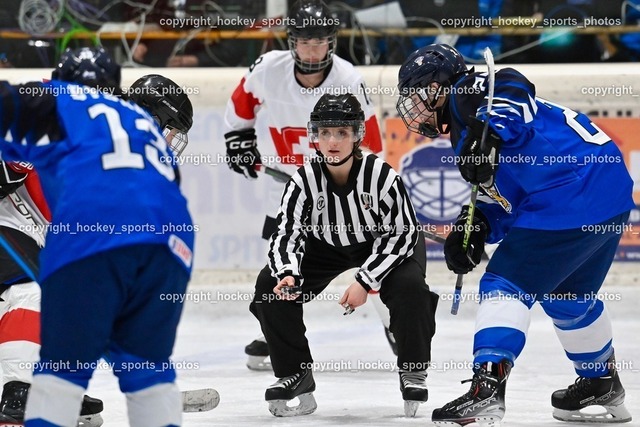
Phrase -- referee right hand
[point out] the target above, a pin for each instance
(286, 282)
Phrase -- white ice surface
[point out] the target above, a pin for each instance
(214, 331)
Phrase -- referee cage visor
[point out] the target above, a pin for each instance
(314, 126)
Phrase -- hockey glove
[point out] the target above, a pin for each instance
(458, 260)
(479, 166)
(12, 177)
(242, 152)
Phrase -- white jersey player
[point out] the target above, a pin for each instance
(276, 96)
(24, 220)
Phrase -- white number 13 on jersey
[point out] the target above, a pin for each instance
(122, 156)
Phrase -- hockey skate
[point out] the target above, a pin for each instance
(414, 390)
(592, 400)
(483, 403)
(14, 400)
(300, 385)
(258, 352)
(90, 412)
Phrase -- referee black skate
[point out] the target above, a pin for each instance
(343, 210)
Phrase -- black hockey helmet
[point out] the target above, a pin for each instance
(89, 66)
(337, 111)
(168, 104)
(424, 77)
(311, 19)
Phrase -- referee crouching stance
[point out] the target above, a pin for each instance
(343, 210)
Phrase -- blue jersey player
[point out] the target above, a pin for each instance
(556, 194)
(120, 242)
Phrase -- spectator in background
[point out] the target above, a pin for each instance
(471, 48)
(628, 44)
(197, 53)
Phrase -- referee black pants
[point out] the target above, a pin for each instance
(404, 291)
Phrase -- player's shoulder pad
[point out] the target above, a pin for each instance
(270, 61)
(511, 77)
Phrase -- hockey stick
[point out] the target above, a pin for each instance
(276, 174)
(488, 57)
(201, 400)
(29, 266)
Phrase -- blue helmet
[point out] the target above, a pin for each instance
(89, 66)
(423, 79)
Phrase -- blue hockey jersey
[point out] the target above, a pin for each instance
(557, 170)
(106, 171)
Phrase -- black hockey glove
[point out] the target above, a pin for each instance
(479, 166)
(458, 260)
(242, 152)
(12, 177)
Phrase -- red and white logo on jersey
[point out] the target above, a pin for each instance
(181, 250)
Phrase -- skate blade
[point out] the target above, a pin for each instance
(478, 421)
(411, 407)
(259, 363)
(306, 406)
(594, 414)
(94, 420)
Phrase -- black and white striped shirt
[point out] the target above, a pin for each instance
(372, 207)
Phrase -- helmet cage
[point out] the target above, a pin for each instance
(312, 67)
(168, 105)
(176, 139)
(416, 106)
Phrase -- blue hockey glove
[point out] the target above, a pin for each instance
(479, 166)
(458, 260)
(242, 152)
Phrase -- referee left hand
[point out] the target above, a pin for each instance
(354, 296)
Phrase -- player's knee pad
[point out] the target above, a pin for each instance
(584, 330)
(76, 372)
(156, 406)
(54, 400)
(136, 373)
(502, 321)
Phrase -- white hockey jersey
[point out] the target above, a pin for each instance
(270, 99)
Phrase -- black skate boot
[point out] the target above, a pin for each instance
(14, 400)
(414, 390)
(483, 403)
(258, 351)
(603, 398)
(300, 385)
(392, 340)
(90, 412)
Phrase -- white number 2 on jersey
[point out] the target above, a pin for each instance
(598, 138)
(122, 156)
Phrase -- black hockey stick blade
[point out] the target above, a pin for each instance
(201, 400)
